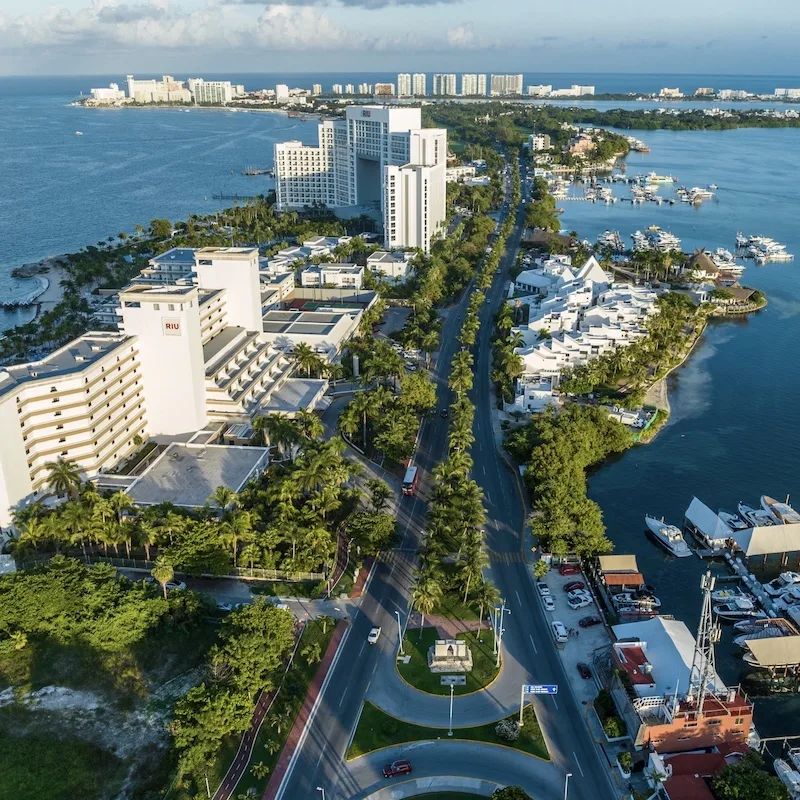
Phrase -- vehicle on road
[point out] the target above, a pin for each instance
(374, 635)
(543, 588)
(171, 586)
(223, 606)
(569, 569)
(574, 586)
(445, 413)
(410, 480)
(549, 604)
(590, 622)
(584, 671)
(559, 631)
(397, 768)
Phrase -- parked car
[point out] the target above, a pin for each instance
(590, 622)
(374, 635)
(544, 589)
(569, 569)
(579, 594)
(579, 602)
(223, 606)
(178, 586)
(584, 670)
(574, 585)
(549, 605)
(559, 631)
(397, 768)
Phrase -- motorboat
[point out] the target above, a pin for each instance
(79, 133)
(753, 624)
(781, 584)
(733, 521)
(794, 757)
(668, 536)
(783, 513)
(767, 632)
(713, 187)
(642, 599)
(788, 599)
(789, 777)
(726, 595)
(755, 517)
(736, 609)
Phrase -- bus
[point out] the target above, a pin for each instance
(410, 481)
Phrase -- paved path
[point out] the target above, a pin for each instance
(446, 627)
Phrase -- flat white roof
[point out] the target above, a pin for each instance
(187, 474)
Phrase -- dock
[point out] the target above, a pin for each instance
(239, 197)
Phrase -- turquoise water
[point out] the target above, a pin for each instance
(733, 434)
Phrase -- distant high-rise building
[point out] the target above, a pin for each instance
(167, 90)
(384, 90)
(365, 88)
(404, 84)
(506, 85)
(419, 84)
(349, 88)
(444, 85)
(703, 91)
(281, 93)
(212, 92)
(316, 89)
(337, 88)
(541, 90)
(469, 85)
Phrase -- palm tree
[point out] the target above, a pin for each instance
(488, 596)
(237, 528)
(379, 493)
(428, 344)
(309, 424)
(250, 554)
(306, 359)
(260, 770)
(147, 536)
(223, 497)
(163, 573)
(33, 532)
(473, 563)
(120, 501)
(281, 432)
(74, 518)
(64, 478)
(426, 592)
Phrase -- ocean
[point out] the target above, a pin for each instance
(732, 435)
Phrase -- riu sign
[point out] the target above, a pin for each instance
(171, 326)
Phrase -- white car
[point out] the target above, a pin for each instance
(577, 602)
(544, 589)
(176, 586)
(374, 635)
(579, 594)
(559, 631)
(549, 604)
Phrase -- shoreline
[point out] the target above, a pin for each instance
(49, 272)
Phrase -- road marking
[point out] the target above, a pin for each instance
(554, 702)
(344, 693)
(530, 636)
(361, 650)
(578, 763)
(519, 599)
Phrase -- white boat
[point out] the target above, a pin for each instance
(789, 599)
(756, 517)
(782, 513)
(668, 536)
(767, 632)
(752, 625)
(794, 757)
(726, 595)
(641, 599)
(79, 133)
(736, 609)
(789, 777)
(784, 582)
(733, 521)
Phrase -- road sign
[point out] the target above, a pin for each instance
(538, 688)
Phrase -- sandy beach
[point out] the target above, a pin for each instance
(50, 273)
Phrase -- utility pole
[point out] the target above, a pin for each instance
(521, 703)
(450, 730)
(399, 632)
(500, 630)
(566, 784)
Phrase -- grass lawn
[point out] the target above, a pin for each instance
(34, 767)
(451, 605)
(377, 729)
(416, 672)
(292, 695)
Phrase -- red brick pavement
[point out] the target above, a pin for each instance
(361, 582)
(293, 739)
(242, 759)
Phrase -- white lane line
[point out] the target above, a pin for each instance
(361, 650)
(483, 467)
(533, 644)
(519, 599)
(556, 705)
(344, 693)
(578, 763)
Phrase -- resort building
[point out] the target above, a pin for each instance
(396, 265)
(538, 141)
(541, 90)
(444, 85)
(459, 173)
(419, 84)
(351, 164)
(107, 96)
(404, 84)
(349, 276)
(573, 318)
(217, 93)
(505, 85)
(167, 90)
(473, 85)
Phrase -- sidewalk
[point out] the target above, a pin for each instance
(447, 628)
(293, 739)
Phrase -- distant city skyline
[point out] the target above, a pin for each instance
(99, 36)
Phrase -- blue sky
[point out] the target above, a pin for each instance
(691, 36)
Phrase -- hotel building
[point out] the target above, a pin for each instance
(419, 84)
(444, 85)
(350, 166)
(473, 85)
(212, 92)
(506, 85)
(167, 90)
(404, 84)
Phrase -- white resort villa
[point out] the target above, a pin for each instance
(574, 316)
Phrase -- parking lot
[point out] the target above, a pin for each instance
(581, 642)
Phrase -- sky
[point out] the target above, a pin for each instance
(690, 36)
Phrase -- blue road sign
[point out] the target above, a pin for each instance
(538, 688)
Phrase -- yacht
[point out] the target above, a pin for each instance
(752, 625)
(755, 516)
(784, 582)
(736, 609)
(733, 521)
(655, 178)
(79, 133)
(789, 599)
(782, 512)
(726, 595)
(789, 777)
(794, 757)
(766, 632)
(668, 536)
(642, 599)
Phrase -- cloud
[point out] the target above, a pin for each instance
(642, 44)
(462, 36)
(370, 5)
(126, 13)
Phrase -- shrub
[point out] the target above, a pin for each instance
(389, 727)
(625, 761)
(614, 727)
(507, 729)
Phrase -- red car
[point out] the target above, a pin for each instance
(569, 569)
(573, 585)
(396, 768)
(584, 670)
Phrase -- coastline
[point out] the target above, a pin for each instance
(50, 272)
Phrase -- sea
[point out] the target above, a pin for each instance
(733, 433)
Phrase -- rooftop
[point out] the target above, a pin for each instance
(299, 322)
(73, 357)
(187, 474)
(624, 579)
(618, 563)
(293, 395)
(781, 651)
(177, 255)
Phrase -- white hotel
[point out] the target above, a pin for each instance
(199, 348)
(376, 156)
(585, 315)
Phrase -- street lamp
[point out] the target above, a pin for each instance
(450, 730)
(320, 789)
(566, 784)
(399, 632)
(500, 630)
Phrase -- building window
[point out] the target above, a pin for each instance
(156, 306)
(57, 414)
(171, 307)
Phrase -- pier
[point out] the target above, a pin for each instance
(237, 197)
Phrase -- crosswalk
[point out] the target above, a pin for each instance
(495, 557)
